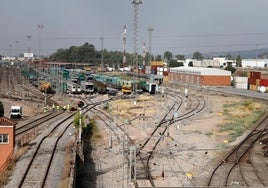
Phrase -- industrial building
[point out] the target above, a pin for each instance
(200, 76)
(7, 141)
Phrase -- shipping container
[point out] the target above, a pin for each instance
(252, 81)
(254, 74)
(253, 87)
(157, 63)
(241, 85)
(264, 82)
(240, 79)
(258, 82)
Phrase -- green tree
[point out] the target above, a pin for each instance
(168, 55)
(230, 67)
(2, 110)
(85, 120)
(158, 58)
(238, 61)
(175, 63)
(197, 55)
(180, 57)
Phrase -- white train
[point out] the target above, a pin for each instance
(87, 87)
(73, 88)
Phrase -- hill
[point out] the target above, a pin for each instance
(245, 54)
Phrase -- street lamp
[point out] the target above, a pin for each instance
(40, 27)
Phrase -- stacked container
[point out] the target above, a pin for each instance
(257, 83)
(264, 85)
(254, 80)
(241, 82)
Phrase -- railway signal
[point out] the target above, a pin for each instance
(80, 104)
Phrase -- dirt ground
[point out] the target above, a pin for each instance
(196, 144)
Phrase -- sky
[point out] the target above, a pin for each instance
(179, 26)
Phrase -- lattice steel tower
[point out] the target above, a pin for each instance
(136, 4)
(150, 29)
(124, 38)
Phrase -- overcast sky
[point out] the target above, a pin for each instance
(180, 26)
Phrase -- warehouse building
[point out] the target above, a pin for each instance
(200, 76)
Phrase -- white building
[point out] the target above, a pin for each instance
(255, 63)
(215, 62)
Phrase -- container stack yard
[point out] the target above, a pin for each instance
(256, 82)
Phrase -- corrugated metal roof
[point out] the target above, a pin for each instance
(201, 71)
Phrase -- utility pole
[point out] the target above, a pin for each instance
(29, 38)
(143, 54)
(102, 38)
(150, 29)
(40, 27)
(124, 38)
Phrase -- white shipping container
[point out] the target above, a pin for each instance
(240, 79)
(240, 85)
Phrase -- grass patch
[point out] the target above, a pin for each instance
(222, 146)
(4, 177)
(93, 131)
(239, 116)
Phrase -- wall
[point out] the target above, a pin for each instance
(7, 149)
(204, 80)
(215, 80)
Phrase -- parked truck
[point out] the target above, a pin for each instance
(16, 112)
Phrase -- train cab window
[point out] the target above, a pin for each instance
(4, 138)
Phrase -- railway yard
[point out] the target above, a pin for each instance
(207, 137)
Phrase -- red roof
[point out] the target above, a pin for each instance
(4, 121)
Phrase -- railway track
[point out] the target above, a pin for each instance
(38, 168)
(35, 123)
(15, 86)
(238, 168)
(147, 149)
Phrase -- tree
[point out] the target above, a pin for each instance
(175, 63)
(158, 58)
(238, 61)
(230, 67)
(168, 55)
(180, 57)
(2, 110)
(197, 55)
